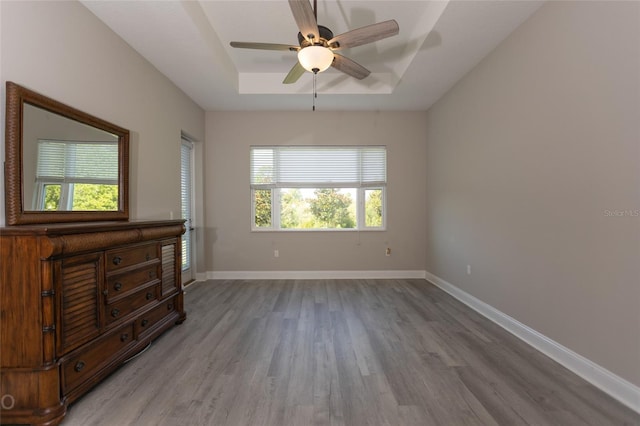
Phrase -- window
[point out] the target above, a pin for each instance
(74, 175)
(318, 187)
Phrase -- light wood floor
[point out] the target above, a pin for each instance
(340, 352)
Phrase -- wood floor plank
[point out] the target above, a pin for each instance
(340, 353)
(333, 295)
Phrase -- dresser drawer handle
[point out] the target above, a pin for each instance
(148, 256)
(149, 296)
(124, 337)
(79, 366)
(117, 286)
(169, 306)
(117, 260)
(115, 312)
(150, 274)
(144, 322)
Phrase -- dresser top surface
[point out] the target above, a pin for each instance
(85, 227)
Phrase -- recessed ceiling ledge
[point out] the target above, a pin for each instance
(328, 83)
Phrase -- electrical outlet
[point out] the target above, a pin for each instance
(388, 252)
(276, 253)
(468, 269)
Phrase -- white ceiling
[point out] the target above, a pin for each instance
(188, 41)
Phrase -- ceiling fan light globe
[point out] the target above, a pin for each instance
(315, 58)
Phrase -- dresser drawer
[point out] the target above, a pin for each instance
(121, 258)
(85, 363)
(118, 285)
(147, 320)
(122, 308)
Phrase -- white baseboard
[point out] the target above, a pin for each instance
(617, 387)
(311, 275)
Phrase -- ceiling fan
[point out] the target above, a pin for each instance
(317, 44)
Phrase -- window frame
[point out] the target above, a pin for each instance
(359, 202)
(66, 195)
(362, 210)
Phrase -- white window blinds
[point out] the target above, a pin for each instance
(318, 166)
(77, 162)
(185, 191)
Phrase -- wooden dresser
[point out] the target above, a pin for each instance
(77, 301)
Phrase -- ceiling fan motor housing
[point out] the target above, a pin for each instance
(325, 35)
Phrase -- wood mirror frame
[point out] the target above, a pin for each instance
(16, 214)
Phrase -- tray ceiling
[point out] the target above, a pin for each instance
(188, 41)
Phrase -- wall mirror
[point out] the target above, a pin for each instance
(61, 164)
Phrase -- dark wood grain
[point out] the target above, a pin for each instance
(61, 332)
(341, 352)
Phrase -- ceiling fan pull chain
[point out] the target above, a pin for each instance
(315, 94)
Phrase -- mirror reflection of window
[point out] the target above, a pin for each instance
(68, 165)
(76, 175)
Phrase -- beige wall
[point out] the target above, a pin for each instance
(63, 51)
(529, 157)
(230, 244)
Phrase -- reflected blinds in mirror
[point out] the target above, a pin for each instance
(77, 162)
